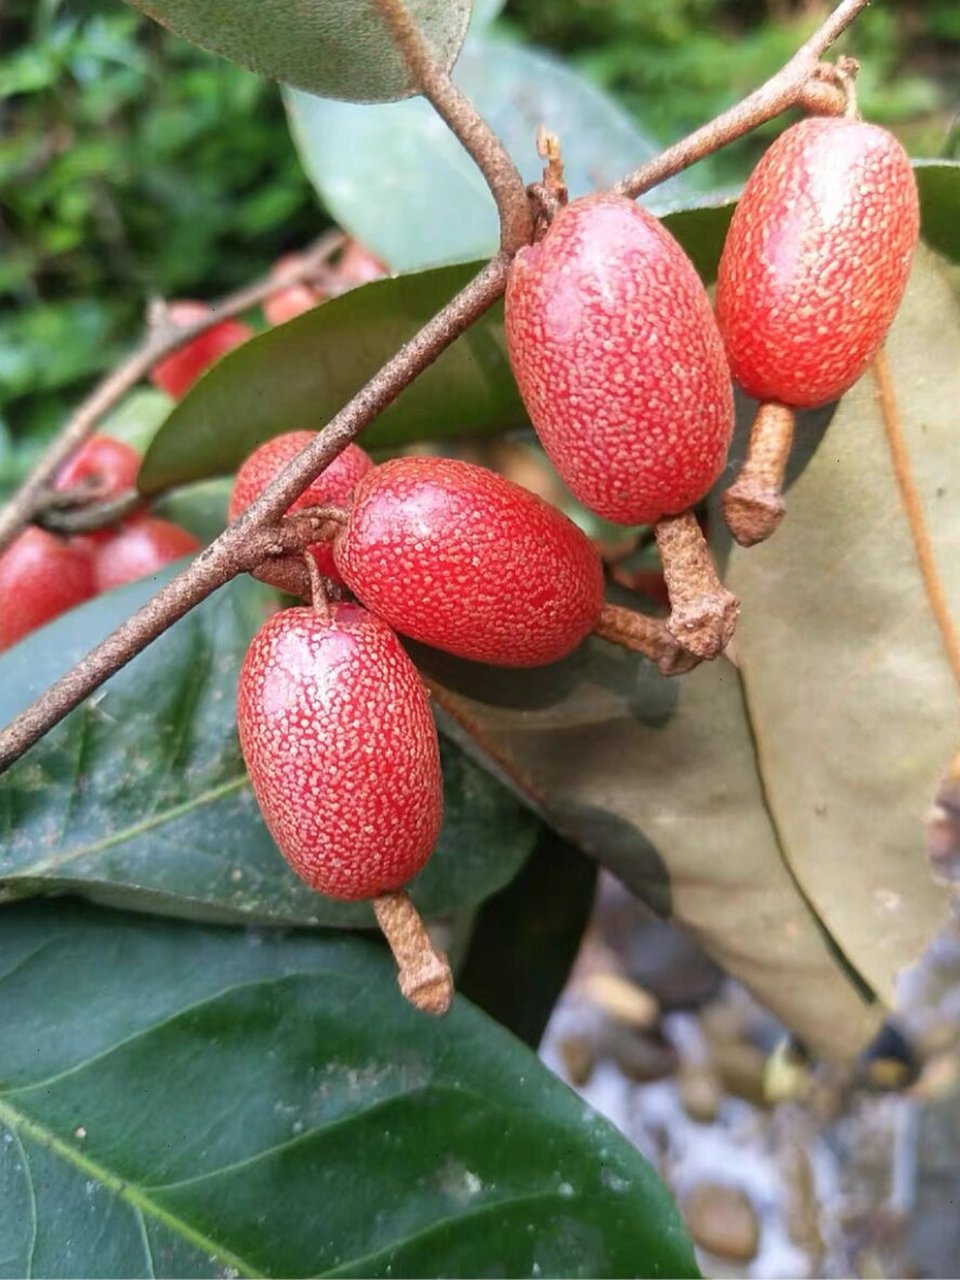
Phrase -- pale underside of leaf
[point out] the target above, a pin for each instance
(341, 48)
(845, 643)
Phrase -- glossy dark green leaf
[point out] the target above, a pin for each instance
(701, 230)
(396, 177)
(939, 183)
(341, 48)
(140, 798)
(526, 937)
(297, 376)
(181, 1101)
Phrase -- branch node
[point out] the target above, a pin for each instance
(703, 613)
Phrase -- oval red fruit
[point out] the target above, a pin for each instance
(295, 298)
(176, 373)
(142, 547)
(41, 576)
(463, 559)
(617, 356)
(816, 260)
(332, 487)
(336, 730)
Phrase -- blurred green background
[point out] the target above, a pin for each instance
(132, 164)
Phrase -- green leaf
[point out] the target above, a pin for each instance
(178, 1101)
(298, 375)
(137, 418)
(530, 931)
(850, 685)
(701, 230)
(341, 48)
(939, 183)
(140, 797)
(396, 177)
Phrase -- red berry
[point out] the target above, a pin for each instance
(108, 464)
(142, 547)
(619, 362)
(176, 373)
(293, 300)
(816, 260)
(336, 730)
(333, 486)
(465, 560)
(41, 576)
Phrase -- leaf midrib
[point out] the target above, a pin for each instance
(56, 861)
(125, 1190)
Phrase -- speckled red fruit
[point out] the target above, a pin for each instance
(617, 356)
(459, 557)
(816, 260)
(333, 487)
(341, 749)
(177, 372)
(142, 547)
(41, 576)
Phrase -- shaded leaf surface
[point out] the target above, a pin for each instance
(341, 48)
(297, 376)
(850, 688)
(318, 1125)
(396, 177)
(658, 779)
(140, 798)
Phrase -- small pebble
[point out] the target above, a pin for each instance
(723, 1221)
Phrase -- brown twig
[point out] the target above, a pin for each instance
(703, 613)
(643, 634)
(753, 506)
(786, 89)
(424, 975)
(160, 340)
(250, 540)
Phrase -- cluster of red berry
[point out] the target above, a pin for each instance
(626, 374)
(43, 574)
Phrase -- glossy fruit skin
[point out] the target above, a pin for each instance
(142, 547)
(177, 372)
(463, 559)
(619, 362)
(816, 260)
(332, 487)
(341, 748)
(41, 576)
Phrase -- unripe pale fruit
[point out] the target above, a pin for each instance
(341, 748)
(293, 300)
(461, 558)
(142, 547)
(41, 576)
(617, 356)
(816, 260)
(176, 373)
(332, 487)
